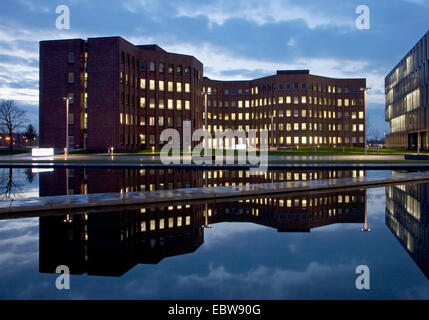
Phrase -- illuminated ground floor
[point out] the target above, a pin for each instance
(412, 140)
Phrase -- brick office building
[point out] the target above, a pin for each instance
(123, 96)
(296, 108)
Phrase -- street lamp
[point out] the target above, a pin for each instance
(364, 115)
(66, 149)
(365, 228)
(272, 130)
(206, 218)
(205, 93)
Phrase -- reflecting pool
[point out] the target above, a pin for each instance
(292, 246)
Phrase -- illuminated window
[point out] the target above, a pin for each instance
(346, 102)
(142, 102)
(170, 86)
(161, 85)
(151, 84)
(187, 87)
(170, 104)
(143, 83)
(179, 87)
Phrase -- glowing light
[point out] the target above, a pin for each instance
(42, 152)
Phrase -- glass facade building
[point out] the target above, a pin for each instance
(406, 88)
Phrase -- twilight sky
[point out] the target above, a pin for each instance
(240, 39)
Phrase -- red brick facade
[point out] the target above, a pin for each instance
(124, 96)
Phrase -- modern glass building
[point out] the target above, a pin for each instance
(407, 218)
(406, 88)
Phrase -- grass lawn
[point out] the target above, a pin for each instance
(302, 151)
(6, 152)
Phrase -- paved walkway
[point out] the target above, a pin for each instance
(8, 207)
(27, 157)
(284, 166)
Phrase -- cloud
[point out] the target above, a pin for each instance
(312, 280)
(263, 12)
(271, 283)
(19, 63)
(222, 232)
(418, 2)
(19, 243)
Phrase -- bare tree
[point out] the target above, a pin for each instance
(11, 119)
(8, 187)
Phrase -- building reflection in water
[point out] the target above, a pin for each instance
(111, 242)
(82, 181)
(407, 218)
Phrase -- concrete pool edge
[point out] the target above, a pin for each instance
(82, 201)
(271, 166)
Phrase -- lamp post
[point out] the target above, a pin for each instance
(364, 115)
(206, 209)
(365, 228)
(206, 218)
(272, 130)
(205, 93)
(66, 149)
